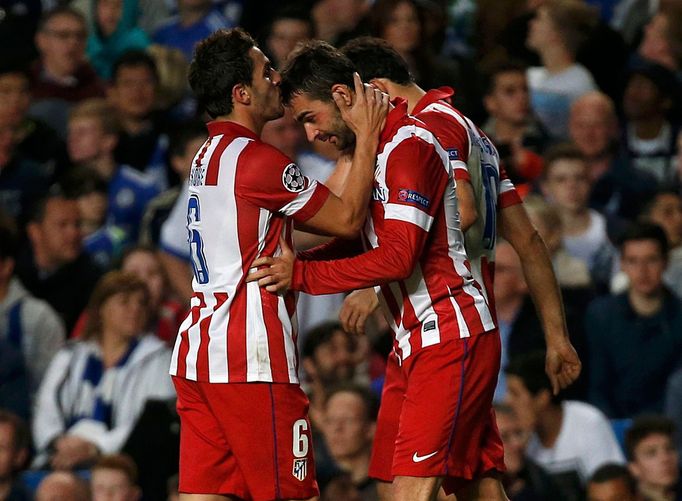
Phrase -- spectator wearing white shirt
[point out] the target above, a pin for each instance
(571, 439)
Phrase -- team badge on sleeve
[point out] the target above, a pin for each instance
(300, 469)
(293, 179)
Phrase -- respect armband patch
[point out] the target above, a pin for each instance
(412, 197)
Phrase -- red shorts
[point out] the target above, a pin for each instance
(436, 417)
(250, 440)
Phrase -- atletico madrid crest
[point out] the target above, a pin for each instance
(300, 469)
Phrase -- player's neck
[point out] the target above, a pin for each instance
(412, 94)
(549, 426)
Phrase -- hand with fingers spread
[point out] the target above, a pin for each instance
(366, 116)
(562, 365)
(276, 272)
(356, 309)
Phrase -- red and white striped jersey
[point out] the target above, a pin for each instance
(473, 158)
(242, 192)
(415, 248)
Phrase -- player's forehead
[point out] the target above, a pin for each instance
(303, 106)
(259, 59)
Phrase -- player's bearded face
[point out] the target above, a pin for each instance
(322, 122)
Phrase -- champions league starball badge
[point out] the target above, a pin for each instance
(292, 178)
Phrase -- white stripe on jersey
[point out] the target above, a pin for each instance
(217, 344)
(300, 201)
(402, 335)
(178, 341)
(463, 327)
(257, 353)
(408, 214)
(288, 330)
(194, 338)
(423, 306)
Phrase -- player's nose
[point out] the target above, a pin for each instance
(311, 132)
(276, 77)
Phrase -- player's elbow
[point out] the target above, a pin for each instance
(467, 218)
(350, 225)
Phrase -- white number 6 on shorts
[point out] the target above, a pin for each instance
(300, 447)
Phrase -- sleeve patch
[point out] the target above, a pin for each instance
(453, 154)
(292, 178)
(412, 197)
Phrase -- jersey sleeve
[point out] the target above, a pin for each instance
(416, 180)
(269, 179)
(454, 137)
(508, 195)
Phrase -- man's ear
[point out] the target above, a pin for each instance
(381, 84)
(345, 92)
(241, 94)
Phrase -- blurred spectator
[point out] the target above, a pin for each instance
(518, 136)
(62, 76)
(172, 488)
(649, 137)
(617, 189)
(653, 459)
(142, 143)
(27, 323)
(62, 485)
(22, 181)
(556, 33)
(570, 271)
(55, 268)
(662, 42)
(612, 482)
(111, 34)
(14, 381)
(635, 338)
(173, 93)
(402, 23)
(524, 479)
(290, 26)
(33, 138)
(630, 16)
(349, 422)
(114, 478)
(14, 451)
(571, 439)
(95, 389)
(341, 486)
(92, 139)
(196, 20)
(185, 144)
(566, 184)
(665, 210)
(337, 21)
(329, 356)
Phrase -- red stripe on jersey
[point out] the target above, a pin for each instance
(202, 353)
(236, 338)
(410, 318)
(278, 360)
(214, 164)
(184, 335)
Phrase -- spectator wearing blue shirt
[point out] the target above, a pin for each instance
(196, 20)
(635, 338)
(92, 139)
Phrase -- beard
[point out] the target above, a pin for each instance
(345, 138)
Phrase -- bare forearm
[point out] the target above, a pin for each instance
(357, 187)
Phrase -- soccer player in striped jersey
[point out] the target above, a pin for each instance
(486, 196)
(480, 451)
(245, 431)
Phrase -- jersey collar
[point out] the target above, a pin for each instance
(229, 128)
(432, 96)
(394, 116)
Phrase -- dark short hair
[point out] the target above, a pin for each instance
(368, 398)
(506, 66)
(21, 438)
(134, 58)
(36, 213)
(561, 151)
(614, 471)
(313, 68)
(653, 199)
(530, 368)
(645, 231)
(376, 58)
(220, 62)
(82, 180)
(318, 336)
(63, 10)
(184, 134)
(8, 238)
(294, 12)
(645, 426)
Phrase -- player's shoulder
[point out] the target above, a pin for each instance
(263, 155)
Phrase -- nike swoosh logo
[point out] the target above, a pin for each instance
(418, 459)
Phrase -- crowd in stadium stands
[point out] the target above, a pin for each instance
(98, 130)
